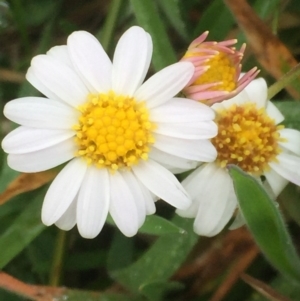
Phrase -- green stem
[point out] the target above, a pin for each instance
(284, 81)
(110, 24)
(57, 264)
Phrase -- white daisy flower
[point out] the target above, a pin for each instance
(117, 133)
(249, 136)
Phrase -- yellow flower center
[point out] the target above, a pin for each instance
(113, 131)
(222, 70)
(247, 137)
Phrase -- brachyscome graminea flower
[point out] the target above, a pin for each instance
(248, 136)
(217, 70)
(118, 134)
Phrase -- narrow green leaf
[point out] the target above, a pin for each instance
(161, 260)
(217, 19)
(291, 112)
(173, 10)
(22, 231)
(265, 223)
(147, 16)
(156, 290)
(157, 225)
(291, 77)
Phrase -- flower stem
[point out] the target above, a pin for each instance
(57, 264)
(284, 81)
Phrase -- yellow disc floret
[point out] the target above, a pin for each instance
(220, 70)
(247, 137)
(113, 131)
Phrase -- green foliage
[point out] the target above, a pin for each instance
(148, 17)
(291, 112)
(156, 225)
(158, 264)
(266, 224)
(13, 240)
(217, 19)
(166, 260)
(173, 10)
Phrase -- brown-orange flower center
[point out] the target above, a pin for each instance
(247, 137)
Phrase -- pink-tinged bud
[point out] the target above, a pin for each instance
(217, 70)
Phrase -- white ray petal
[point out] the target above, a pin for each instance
(138, 195)
(276, 181)
(68, 220)
(273, 112)
(38, 112)
(162, 183)
(63, 191)
(195, 184)
(60, 79)
(131, 61)
(170, 161)
(34, 79)
(196, 150)
(148, 199)
(122, 205)
(287, 167)
(212, 212)
(191, 130)
(181, 110)
(218, 106)
(43, 159)
(61, 54)
(239, 99)
(165, 84)
(292, 140)
(24, 140)
(90, 61)
(230, 207)
(238, 222)
(257, 92)
(93, 202)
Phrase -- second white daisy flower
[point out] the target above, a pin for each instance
(248, 136)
